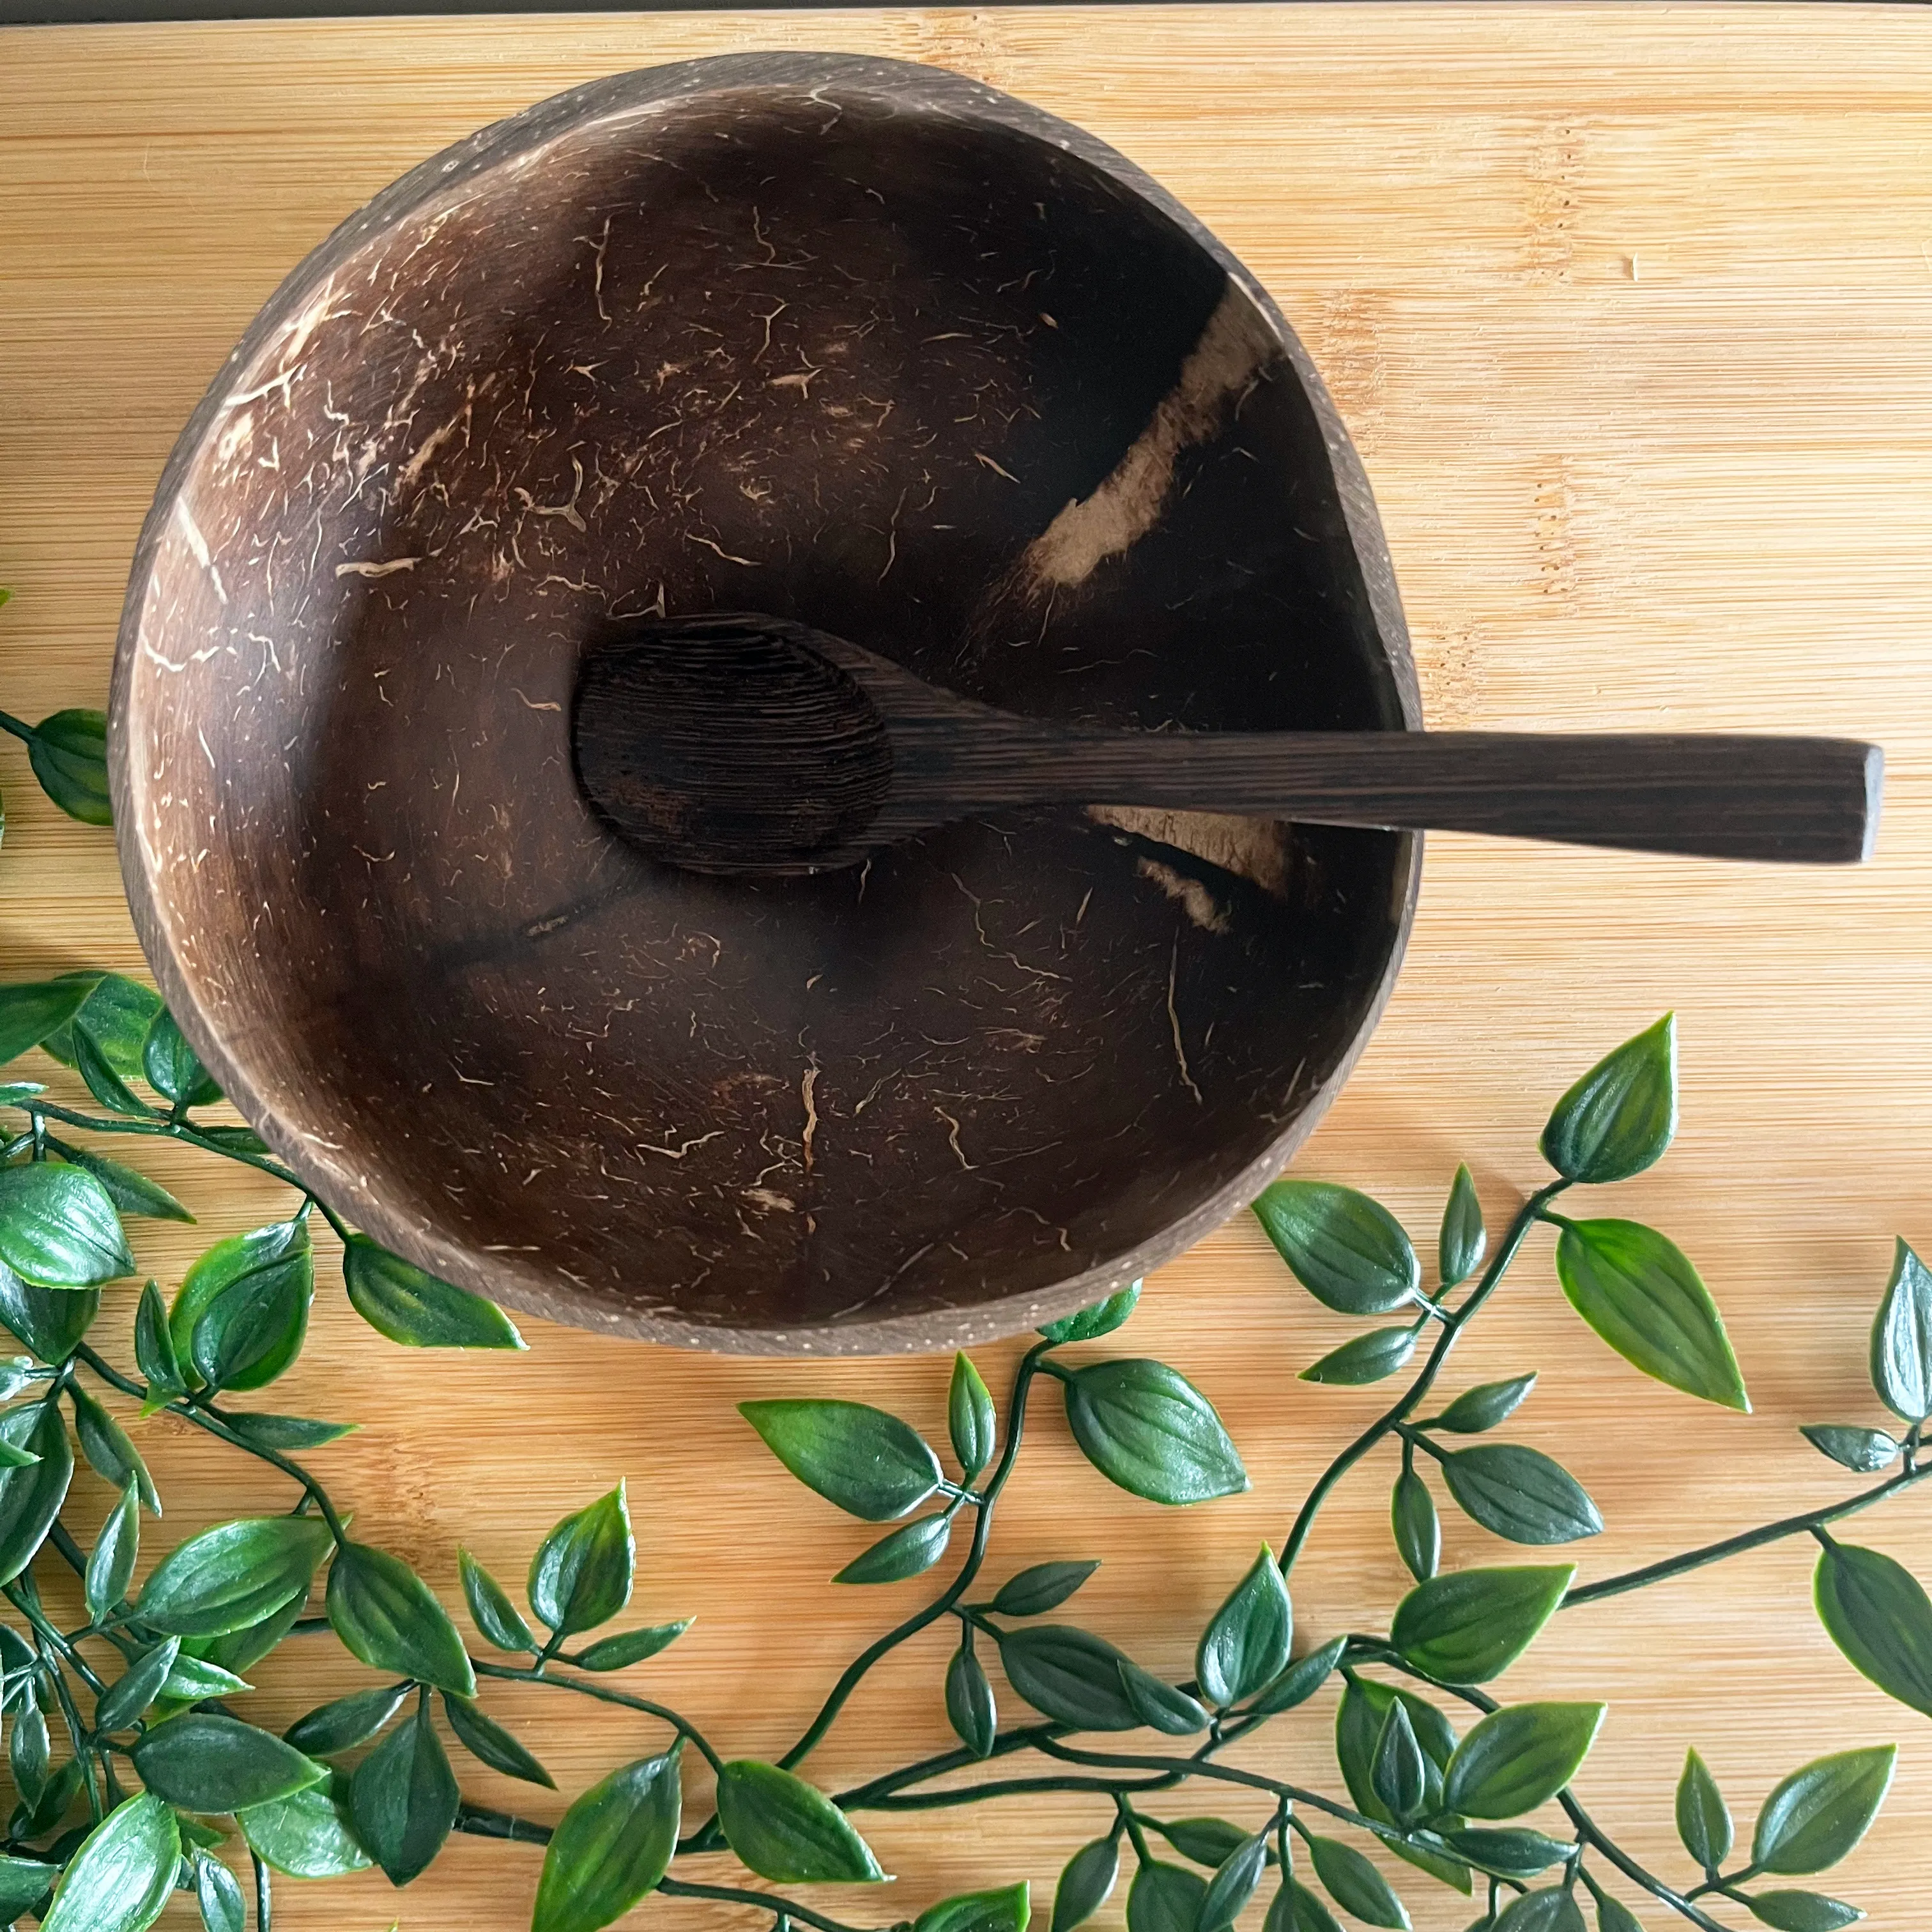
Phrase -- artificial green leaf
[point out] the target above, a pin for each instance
(31, 1010)
(154, 1350)
(1814, 1817)
(403, 1798)
(1086, 1883)
(348, 1721)
(31, 1498)
(109, 1452)
(401, 1300)
(1867, 1451)
(1874, 1610)
(137, 1687)
(1552, 1909)
(1296, 1909)
(1518, 1757)
(1165, 1898)
(28, 1753)
(63, 1789)
(1515, 1853)
(1618, 1119)
(970, 1421)
(204, 1761)
(1355, 1884)
(1160, 1704)
(388, 1616)
(116, 1015)
(242, 1311)
(1639, 1291)
(1364, 1709)
(24, 1883)
(1044, 1586)
(50, 1320)
(131, 1193)
(1520, 1494)
(908, 1551)
(1460, 1246)
(1901, 1339)
(173, 1068)
(1397, 1772)
(193, 1679)
(1301, 1679)
(236, 1650)
(1362, 1359)
(786, 1829)
(1703, 1818)
(970, 1705)
(1801, 1911)
(1233, 1884)
(1150, 1431)
(68, 752)
(218, 1893)
(284, 1432)
(16, 1374)
(110, 1563)
(1417, 1529)
(629, 1647)
(1470, 1626)
(19, 1668)
(1476, 1409)
(581, 1576)
(611, 1848)
(1068, 1675)
(308, 1835)
(1348, 1252)
(124, 1873)
(1103, 1318)
(870, 1464)
(486, 1740)
(234, 1140)
(1211, 1842)
(100, 1080)
(1245, 1646)
(234, 1575)
(1005, 1910)
(57, 1227)
(491, 1608)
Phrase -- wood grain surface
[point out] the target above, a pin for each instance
(1628, 309)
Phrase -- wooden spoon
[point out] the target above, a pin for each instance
(746, 744)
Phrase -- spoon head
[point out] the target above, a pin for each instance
(730, 744)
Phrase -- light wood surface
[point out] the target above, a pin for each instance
(1628, 309)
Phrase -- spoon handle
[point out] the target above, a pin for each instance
(1803, 800)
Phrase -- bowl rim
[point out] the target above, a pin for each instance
(636, 93)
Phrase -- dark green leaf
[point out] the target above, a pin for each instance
(1901, 1339)
(629, 1647)
(491, 1608)
(50, 1320)
(54, 1803)
(1211, 1842)
(115, 1016)
(154, 1350)
(110, 1563)
(1703, 1818)
(12, 1092)
(137, 1687)
(1301, 1680)
(27, 1753)
(285, 1431)
(109, 1453)
(1875, 1612)
(24, 1882)
(347, 1722)
(1150, 1431)
(581, 1576)
(1102, 1319)
(970, 1705)
(234, 1575)
(1476, 1409)
(1068, 1675)
(1618, 1119)
(388, 1616)
(1639, 1292)
(971, 1423)
(68, 752)
(204, 1761)
(1296, 1909)
(1171, 1711)
(131, 1193)
(1518, 1757)
(309, 1835)
(1165, 1898)
(611, 1848)
(234, 1140)
(1397, 1771)
(1245, 1646)
(1362, 1359)
(484, 1738)
(1867, 1451)
(399, 1299)
(1005, 1910)
(1044, 1587)
(218, 1893)
(31, 1498)
(31, 1010)
(1418, 1531)
(1348, 1252)
(1460, 1246)
(236, 1650)
(57, 1227)
(403, 1798)
(1364, 1709)
(1470, 1626)
(1550, 1910)
(908, 1551)
(101, 1079)
(242, 1310)
(1233, 1884)
(1355, 1884)
(869, 1463)
(1086, 1884)
(194, 1677)
(786, 1829)
(1517, 1852)
(1802, 1911)
(1520, 1494)
(124, 1873)
(171, 1067)
(1815, 1816)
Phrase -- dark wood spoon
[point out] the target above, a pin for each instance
(745, 744)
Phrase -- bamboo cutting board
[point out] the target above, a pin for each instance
(1628, 310)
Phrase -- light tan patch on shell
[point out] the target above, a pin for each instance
(1256, 849)
(1199, 903)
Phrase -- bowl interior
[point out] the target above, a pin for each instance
(917, 376)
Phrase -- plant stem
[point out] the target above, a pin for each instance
(604, 1694)
(264, 1899)
(765, 1901)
